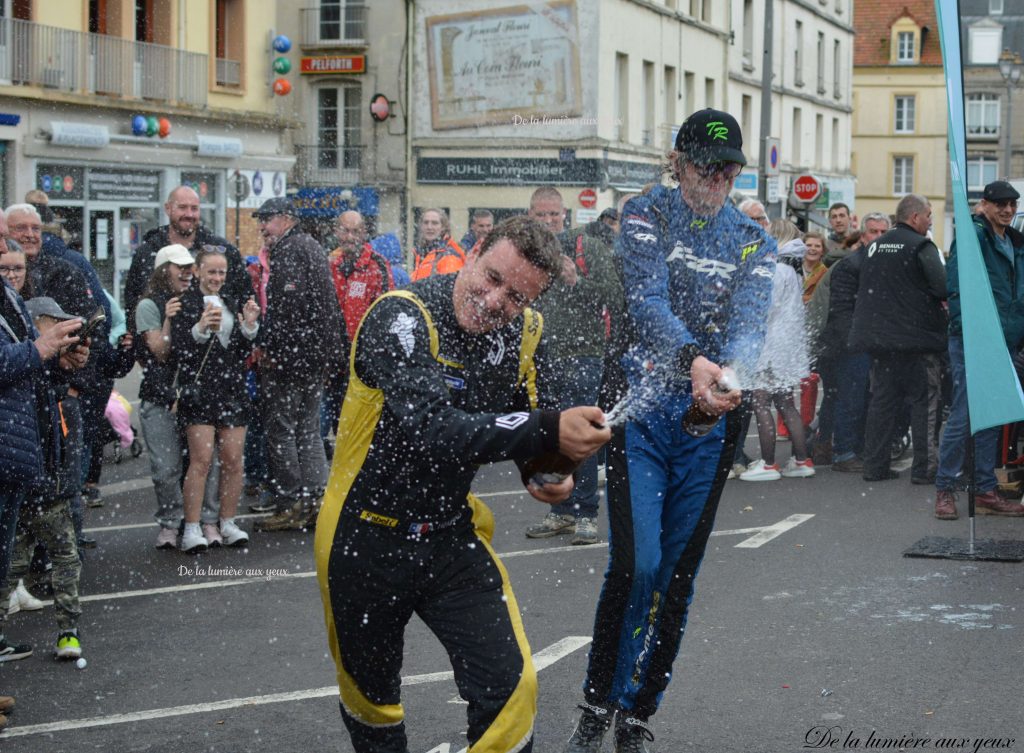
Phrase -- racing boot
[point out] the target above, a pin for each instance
(632, 735)
(589, 732)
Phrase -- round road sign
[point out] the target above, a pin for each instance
(588, 198)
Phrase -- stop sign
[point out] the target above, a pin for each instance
(807, 188)
(588, 198)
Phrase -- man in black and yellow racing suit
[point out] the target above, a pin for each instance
(443, 377)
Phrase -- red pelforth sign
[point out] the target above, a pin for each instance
(334, 64)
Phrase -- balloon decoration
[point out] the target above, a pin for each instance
(282, 43)
(280, 65)
(150, 125)
(282, 87)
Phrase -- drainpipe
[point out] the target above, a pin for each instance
(410, 168)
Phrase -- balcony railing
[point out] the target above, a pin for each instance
(328, 165)
(229, 72)
(334, 24)
(75, 61)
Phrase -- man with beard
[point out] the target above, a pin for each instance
(184, 228)
(698, 280)
(443, 378)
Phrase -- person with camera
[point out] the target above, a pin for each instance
(212, 343)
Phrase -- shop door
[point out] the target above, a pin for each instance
(102, 235)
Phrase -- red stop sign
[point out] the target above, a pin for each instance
(588, 198)
(807, 188)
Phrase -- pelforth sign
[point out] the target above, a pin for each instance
(333, 64)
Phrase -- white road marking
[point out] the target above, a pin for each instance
(773, 531)
(544, 658)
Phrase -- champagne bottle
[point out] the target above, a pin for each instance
(697, 422)
(549, 468)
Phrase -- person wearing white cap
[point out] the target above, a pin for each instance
(171, 277)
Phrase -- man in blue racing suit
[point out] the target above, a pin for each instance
(697, 274)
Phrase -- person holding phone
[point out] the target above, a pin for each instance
(213, 342)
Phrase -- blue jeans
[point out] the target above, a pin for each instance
(954, 436)
(577, 382)
(852, 370)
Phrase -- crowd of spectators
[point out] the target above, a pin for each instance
(245, 365)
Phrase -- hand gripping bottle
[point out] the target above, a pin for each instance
(697, 422)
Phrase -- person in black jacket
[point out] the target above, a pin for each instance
(443, 379)
(300, 343)
(184, 228)
(213, 336)
(900, 322)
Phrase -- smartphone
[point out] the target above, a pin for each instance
(90, 326)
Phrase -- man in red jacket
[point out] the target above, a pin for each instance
(360, 276)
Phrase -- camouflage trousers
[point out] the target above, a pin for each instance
(48, 523)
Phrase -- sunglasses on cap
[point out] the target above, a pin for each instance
(727, 170)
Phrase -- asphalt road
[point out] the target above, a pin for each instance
(809, 630)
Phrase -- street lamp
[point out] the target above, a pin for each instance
(1011, 67)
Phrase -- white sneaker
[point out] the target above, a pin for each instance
(798, 468)
(212, 535)
(232, 534)
(167, 538)
(192, 540)
(26, 600)
(737, 470)
(761, 471)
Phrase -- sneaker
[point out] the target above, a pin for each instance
(853, 465)
(945, 505)
(92, 496)
(293, 519)
(232, 534)
(737, 470)
(586, 531)
(264, 505)
(13, 652)
(167, 538)
(992, 503)
(590, 729)
(798, 468)
(761, 471)
(192, 541)
(26, 601)
(68, 645)
(212, 535)
(553, 524)
(632, 735)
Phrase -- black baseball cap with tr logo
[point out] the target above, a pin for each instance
(711, 136)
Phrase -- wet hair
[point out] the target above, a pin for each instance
(532, 240)
(783, 231)
(910, 205)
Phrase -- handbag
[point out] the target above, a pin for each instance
(183, 391)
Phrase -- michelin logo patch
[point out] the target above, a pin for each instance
(512, 420)
(403, 327)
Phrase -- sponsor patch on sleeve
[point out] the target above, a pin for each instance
(512, 420)
(748, 249)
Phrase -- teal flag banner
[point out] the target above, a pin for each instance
(994, 395)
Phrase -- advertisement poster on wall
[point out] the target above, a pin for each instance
(491, 66)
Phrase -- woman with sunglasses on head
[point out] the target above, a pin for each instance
(213, 336)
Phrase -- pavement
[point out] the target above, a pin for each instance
(809, 631)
